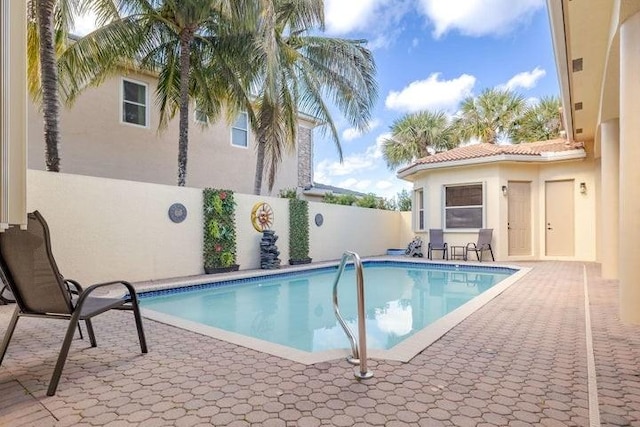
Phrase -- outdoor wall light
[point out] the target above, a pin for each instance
(504, 190)
(583, 188)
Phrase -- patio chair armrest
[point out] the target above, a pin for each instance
(132, 292)
(471, 246)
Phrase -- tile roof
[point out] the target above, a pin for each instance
(486, 150)
(493, 152)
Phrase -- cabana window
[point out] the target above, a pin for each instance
(464, 207)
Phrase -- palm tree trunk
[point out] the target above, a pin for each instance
(257, 186)
(183, 139)
(49, 77)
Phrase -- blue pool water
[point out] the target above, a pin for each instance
(296, 309)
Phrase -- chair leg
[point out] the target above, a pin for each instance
(138, 317)
(62, 357)
(92, 335)
(491, 251)
(9, 333)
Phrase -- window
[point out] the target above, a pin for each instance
(463, 206)
(199, 116)
(240, 131)
(134, 103)
(419, 198)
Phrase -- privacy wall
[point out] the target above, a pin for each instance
(104, 229)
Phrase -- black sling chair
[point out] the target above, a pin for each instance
(28, 267)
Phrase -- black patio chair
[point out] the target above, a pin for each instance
(27, 266)
(484, 244)
(437, 243)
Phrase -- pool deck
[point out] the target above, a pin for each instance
(522, 359)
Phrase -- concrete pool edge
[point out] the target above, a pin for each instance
(402, 352)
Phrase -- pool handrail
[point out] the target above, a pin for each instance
(359, 349)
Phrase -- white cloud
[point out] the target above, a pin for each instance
(365, 172)
(84, 24)
(524, 80)
(343, 17)
(355, 184)
(383, 185)
(431, 94)
(478, 17)
(415, 42)
(376, 20)
(352, 133)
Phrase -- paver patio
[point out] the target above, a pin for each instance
(520, 360)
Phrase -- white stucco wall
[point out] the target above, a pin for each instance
(105, 229)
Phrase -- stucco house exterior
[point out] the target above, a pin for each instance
(598, 58)
(537, 197)
(111, 131)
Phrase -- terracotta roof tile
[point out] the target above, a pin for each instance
(486, 150)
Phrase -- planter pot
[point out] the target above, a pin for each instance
(214, 270)
(299, 261)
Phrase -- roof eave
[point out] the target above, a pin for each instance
(515, 158)
(559, 41)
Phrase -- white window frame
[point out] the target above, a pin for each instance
(146, 103)
(245, 130)
(483, 206)
(418, 197)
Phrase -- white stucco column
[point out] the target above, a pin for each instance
(609, 197)
(13, 113)
(629, 270)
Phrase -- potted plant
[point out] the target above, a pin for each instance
(219, 248)
(298, 232)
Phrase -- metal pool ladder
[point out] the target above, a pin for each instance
(359, 349)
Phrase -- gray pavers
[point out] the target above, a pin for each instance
(518, 361)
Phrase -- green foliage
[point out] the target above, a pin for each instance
(367, 201)
(219, 228)
(417, 135)
(404, 201)
(288, 193)
(540, 122)
(298, 229)
(340, 199)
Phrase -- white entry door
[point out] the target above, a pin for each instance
(559, 218)
(519, 217)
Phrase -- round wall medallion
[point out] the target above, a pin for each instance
(319, 219)
(262, 216)
(177, 212)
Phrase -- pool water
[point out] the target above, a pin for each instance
(296, 310)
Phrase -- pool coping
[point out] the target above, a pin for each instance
(402, 352)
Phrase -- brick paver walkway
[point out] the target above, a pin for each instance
(520, 360)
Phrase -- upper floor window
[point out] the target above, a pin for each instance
(240, 131)
(464, 206)
(134, 103)
(200, 116)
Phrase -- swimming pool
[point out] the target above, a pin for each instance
(291, 314)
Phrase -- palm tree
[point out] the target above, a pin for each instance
(194, 46)
(539, 122)
(48, 25)
(417, 135)
(489, 117)
(297, 71)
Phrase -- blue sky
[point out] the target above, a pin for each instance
(430, 54)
